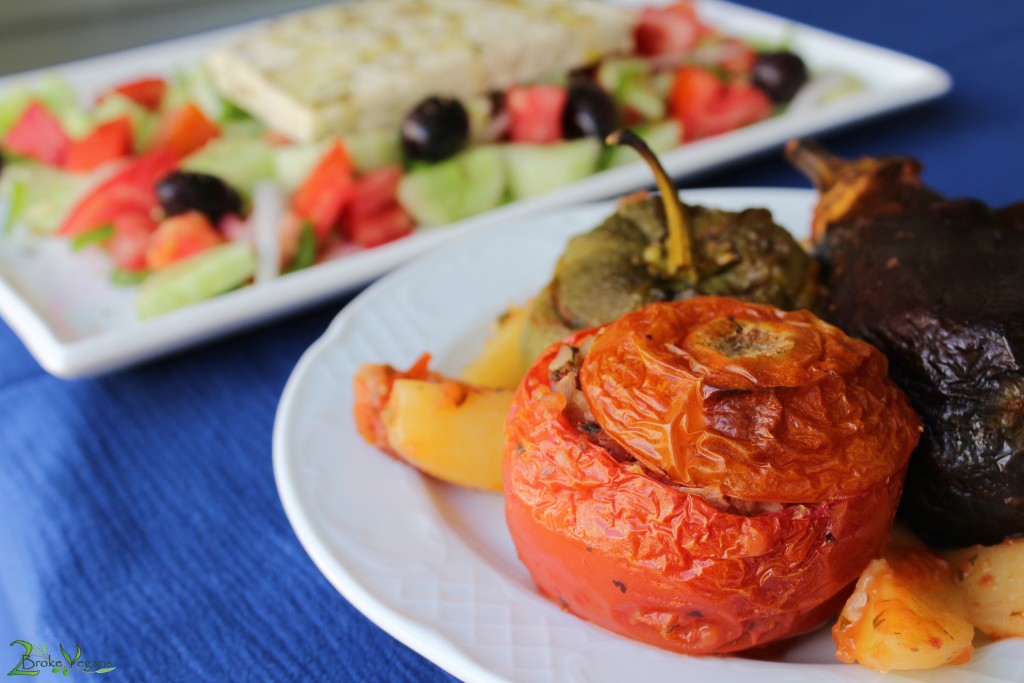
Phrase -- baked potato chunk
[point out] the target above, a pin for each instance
(905, 613)
(991, 579)
(500, 364)
(449, 429)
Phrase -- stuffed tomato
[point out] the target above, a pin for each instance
(707, 475)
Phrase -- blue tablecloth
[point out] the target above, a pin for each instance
(139, 513)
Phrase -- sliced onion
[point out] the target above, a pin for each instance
(265, 222)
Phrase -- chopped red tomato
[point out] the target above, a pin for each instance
(371, 230)
(130, 191)
(322, 197)
(374, 192)
(735, 56)
(185, 130)
(535, 113)
(671, 30)
(740, 105)
(180, 237)
(107, 142)
(705, 106)
(38, 134)
(131, 236)
(148, 92)
(693, 91)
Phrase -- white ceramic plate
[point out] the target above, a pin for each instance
(433, 564)
(76, 323)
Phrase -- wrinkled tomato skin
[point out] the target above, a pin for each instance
(642, 558)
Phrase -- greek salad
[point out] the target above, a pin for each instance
(192, 196)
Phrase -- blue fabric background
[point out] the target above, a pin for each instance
(138, 513)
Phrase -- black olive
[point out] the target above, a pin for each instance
(779, 74)
(589, 110)
(183, 191)
(436, 129)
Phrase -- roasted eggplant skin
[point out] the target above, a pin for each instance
(616, 539)
(603, 274)
(941, 292)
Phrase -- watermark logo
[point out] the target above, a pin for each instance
(34, 660)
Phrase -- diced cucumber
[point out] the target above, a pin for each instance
(144, 122)
(660, 137)
(61, 99)
(196, 85)
(12, 104)
(641, 97)
(536, 169)
(294, 163)
(467, 184)
(630, 81)
(240, 162)
(662, 83)
(200, 277)
(373, 149)
(614, 74)
(243, 128)
(39, 196)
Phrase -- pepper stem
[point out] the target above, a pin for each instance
(679, 246)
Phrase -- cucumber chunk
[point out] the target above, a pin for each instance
(200, 277)
(38, 196)
(536, 169)
(467, 184)
(373, 149)
(144, 122)
(294, 163)
(240, 162)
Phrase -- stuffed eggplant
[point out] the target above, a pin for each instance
(936, 284)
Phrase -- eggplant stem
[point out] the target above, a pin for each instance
(814, 161)
(679, 245)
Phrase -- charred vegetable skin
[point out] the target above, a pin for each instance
(710, 555)
(620, 266)
(935, 284)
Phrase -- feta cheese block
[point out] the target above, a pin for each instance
(357, 66)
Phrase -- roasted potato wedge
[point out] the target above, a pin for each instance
(500, 364)
(991, 579)
(905, 613)
(449, 429)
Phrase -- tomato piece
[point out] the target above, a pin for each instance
(640, 538)
(705, 106)
(693, 91)
(739, 105)
(184, 130)
(735, 56)
(672, 30)
(322, 197)
(107, 142)
(179, 237)
(374, 229)
(535, 112)
(131, 190)
(39, 135)
(374, 192)
(131, 236)
(148, 92)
